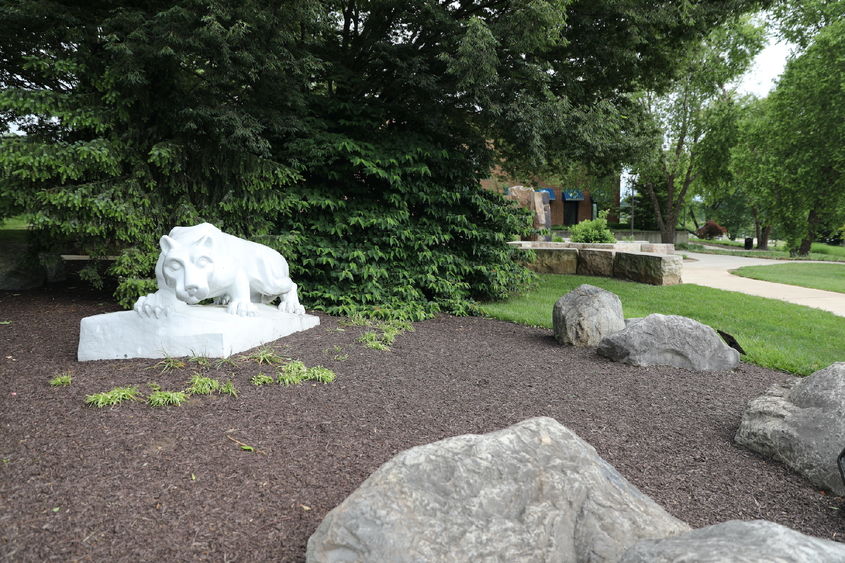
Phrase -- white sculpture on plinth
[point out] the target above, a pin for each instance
(203, 262)
(198, 263)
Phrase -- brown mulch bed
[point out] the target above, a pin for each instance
(171, 484)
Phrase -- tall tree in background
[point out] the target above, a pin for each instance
(350, 135)
(756, 174)
(798, 21)
(722, 197)
(804, 128)
(685, 117)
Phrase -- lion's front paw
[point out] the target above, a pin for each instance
(153, 305)
(242, 308)
(289, 303)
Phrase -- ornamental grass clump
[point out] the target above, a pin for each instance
(261, 379)
(201, 385)
(62, 380)
(293, 373)
(166, 398)
(113, 397)
(321, 374)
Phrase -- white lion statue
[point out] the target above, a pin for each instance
(203, 262)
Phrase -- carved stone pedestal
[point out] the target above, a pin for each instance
(193, 330)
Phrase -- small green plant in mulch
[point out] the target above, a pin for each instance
(319, 373)
(295, 368)
(261, 379)
(228, 388)
(356, 320)
(286, 379)
(385, 334)
(336, 352)
(201, 385)
(293, 373)
(169, 364)
(373, 341)
(166, 398)
(62, 380)
(266, 356)
(201, 362)
(113, 397)
(224, 362)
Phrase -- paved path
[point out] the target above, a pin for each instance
(712, 270)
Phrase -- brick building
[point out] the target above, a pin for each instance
(570, 201)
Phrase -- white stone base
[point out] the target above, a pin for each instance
(194, 330)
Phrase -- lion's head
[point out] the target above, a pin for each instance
(187, 266)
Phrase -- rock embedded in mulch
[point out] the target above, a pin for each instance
(802, 424)
(585, 315)
(669, 340)
(532, 492)
(756, 541)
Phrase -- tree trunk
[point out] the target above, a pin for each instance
(763, 237)
(812, 224)
(667, 228)
(694, 220)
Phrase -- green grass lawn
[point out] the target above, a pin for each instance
(830, 277)
(18, 223)
(775, 334)
(818, 250)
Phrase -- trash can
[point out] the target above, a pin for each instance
(749, 243)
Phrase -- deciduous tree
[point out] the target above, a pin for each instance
(686, 115)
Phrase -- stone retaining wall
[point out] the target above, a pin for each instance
(655, 264)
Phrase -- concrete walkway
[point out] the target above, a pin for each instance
(712, 270)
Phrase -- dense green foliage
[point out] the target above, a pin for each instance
(595, 230)
(349, 135)
(690, 143)
(789, 159)
(775, 334)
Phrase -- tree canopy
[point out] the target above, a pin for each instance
(792, 148)
(693, 121)
(350, 135)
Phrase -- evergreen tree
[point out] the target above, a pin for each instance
(350, 135)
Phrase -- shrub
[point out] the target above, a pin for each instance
(711, 230)
(595, 230)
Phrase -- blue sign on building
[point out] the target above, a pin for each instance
(549, 191)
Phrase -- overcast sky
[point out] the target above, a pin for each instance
(768, 66)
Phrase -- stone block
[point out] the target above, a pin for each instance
(555, 261)
(192, 330)
(594, 262)
(657, 248)
(643, 267)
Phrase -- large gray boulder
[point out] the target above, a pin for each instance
(585, 315)
(756, 541)
(801, 424)
(669, 340)
(531, 492)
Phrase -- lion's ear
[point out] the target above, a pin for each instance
(166, 244)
